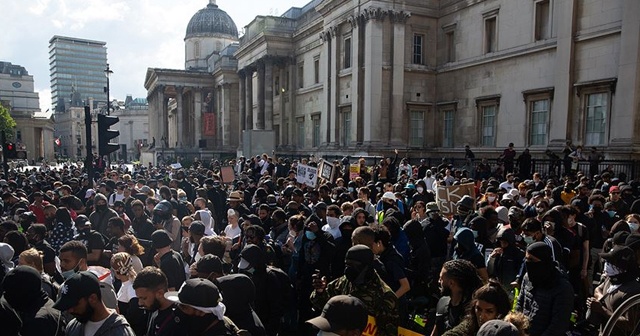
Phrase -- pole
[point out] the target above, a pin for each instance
(108, 72)
(5, 165)
(89, 161)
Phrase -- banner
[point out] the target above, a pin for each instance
(307, 175)
(354, 171)
(447, 197)
(406, 332)
(209, 124)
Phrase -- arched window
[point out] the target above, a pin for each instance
(196, 49)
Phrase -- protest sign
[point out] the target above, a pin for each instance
(307, 175)
(228, 175)
(326, 171)
(447, 197)
(354, 171)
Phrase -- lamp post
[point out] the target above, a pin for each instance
(108, 72)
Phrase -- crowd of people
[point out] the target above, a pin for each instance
(180, 251)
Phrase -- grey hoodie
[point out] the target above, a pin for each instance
(115, 325)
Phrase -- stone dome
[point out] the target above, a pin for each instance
(211, 20)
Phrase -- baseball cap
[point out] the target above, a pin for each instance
(160, 239)
(197, 227)
(389, 195)
(342, 312)
(89, 193)
(432, 206)
(198, 293)
(498, 328)
(79, 285)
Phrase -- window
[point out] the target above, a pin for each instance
(346, 64)
(300, 132)
(276, 85)
(596, 118)
(316, 130)
(418, 49)
(543, 20)
(346, 126)
(489, 125)
(451, 46)
(301, 75)
(490, 34)
(447, 135)
(538, 122)
(316, 71)
(196, 49)
(417, 129)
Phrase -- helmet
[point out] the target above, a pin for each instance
(163, 210)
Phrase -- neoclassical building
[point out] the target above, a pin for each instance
(426, 76)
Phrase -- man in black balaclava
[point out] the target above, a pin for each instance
(239, 293)
(361, 280)
(343, 243)
(419, 259)
(546, 297)
(24, 295)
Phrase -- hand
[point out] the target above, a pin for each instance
(496, 251)
(595, 306)
(319, 282)
(192, 270)
(396, 151)
(156, 259)
(583, 274)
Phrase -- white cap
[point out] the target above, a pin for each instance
(89, 193)
(389, 195)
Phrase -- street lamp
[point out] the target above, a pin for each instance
(108, 72)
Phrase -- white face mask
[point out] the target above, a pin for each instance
(420, 189)
(610, 270)
(333, 222)
(491, 199)
(634, 227)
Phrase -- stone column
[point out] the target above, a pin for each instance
(398, 121)
(259, 119)
(242, 105)
(268, 94)
(161, 120)
(293, 67)
(248, 122)
(356, 81)
(563, 97)
(180, 117)
(225, 114)
(627, 99)
(283, 104)
(334, 128)
(373, 76)
(325, 74)
(197, 115)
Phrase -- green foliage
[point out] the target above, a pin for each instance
(7, 123)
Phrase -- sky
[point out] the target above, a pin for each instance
(140, 34)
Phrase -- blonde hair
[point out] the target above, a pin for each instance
(33, 258)
(122, 264)
(519, 320)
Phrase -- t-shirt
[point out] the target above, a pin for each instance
(231, 232)
(92, 240)
(172, 265)
(90, 328)
(126, 292)
(165, 323)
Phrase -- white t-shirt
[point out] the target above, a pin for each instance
(126, 292)
(231, 232)
(90, 328)
(506, 185)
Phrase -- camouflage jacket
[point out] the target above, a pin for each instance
(380, 300)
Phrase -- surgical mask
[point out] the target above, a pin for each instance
(310, 235)
(420, 189)
(610, 270)
(475, 234)
(68, 274)
(491, 199)
(183, 199)
(528, 240)
(350, 189)
(612, 213)
(633, 226)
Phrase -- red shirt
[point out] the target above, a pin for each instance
(39, 211)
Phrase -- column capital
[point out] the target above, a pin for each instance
(399, 16)
(354, 20)
(377, 14)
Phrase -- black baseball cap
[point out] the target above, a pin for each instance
(197, 228)
(342, 312)
(196, 292)
(160, 239)
(360, 253)
(79, 285)
(209, 264)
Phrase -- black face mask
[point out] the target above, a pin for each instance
(540, 273)
(356, 275)
(101, 207)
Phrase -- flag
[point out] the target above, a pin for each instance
(57, 142)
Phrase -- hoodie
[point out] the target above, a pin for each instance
(239, 294)
(114, 325)
(465, 248)
(207, 219)
(99, 218)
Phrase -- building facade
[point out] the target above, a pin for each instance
(77, 67)
(364, 77)
(33, 133)
(133, 127)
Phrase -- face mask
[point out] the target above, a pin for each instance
(539, 273)
(420, 189)
(463, 212)
(183, 199)
(633, 227)
(528, 240)
(310, 235)
(610, 270)
(101, 207)
(354, 275)
(67, 274)
(612, 213)
(333, 222)
(491, 199)
(475, 234)
(434, 215)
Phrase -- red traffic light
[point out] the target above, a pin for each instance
(9, 146)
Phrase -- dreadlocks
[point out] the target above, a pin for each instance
(465, 274)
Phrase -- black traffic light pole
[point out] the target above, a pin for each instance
(5, 165)
(89, 161)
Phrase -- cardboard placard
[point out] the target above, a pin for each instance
(228, 175)
(176, 165)
(354, 171)
(326, 170)
(307, 175)
(371, 329)
(447, 197)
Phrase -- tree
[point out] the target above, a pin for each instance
(7, 124)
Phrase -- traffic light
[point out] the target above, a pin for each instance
(105, 146)
(9, 150)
